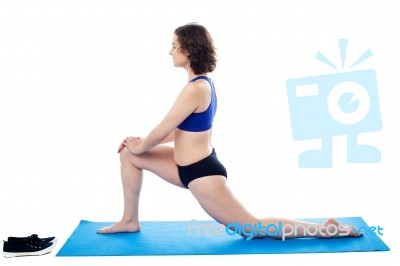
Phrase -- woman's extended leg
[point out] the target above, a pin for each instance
(160, 161)
(219, 202)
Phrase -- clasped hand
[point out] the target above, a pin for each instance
(131, 143)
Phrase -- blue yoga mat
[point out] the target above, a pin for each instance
(205, 238)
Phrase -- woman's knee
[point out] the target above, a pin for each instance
(126, 156)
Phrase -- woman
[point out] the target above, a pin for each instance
(192, 163)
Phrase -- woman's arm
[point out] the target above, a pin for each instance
(186, 103)
(169, 138)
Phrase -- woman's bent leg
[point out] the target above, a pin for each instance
(160, 161)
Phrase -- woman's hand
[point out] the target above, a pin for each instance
(132, 144)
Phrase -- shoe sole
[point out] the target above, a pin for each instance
(23, 254)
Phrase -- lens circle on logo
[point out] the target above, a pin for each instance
(348, 110)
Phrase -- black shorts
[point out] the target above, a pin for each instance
(205, 167)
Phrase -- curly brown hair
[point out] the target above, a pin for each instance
(197, 42)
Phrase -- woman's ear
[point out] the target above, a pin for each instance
(183, 51)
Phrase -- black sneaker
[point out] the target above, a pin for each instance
(33, 239)
(11, 250)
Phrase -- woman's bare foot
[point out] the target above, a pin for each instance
(120, 227)
(334, 229)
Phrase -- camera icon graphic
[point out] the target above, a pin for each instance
(325, 106)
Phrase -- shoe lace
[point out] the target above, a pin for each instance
(34, 241)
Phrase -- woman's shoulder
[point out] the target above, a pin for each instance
(199, 86)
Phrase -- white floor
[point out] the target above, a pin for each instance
(61, 219)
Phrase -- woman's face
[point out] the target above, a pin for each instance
(179, 57)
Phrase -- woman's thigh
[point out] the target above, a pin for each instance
(159, 160)
(218, 201)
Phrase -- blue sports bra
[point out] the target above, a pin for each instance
(197, 122)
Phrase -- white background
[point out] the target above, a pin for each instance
(78, 76)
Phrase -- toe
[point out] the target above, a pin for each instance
(102, 230)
